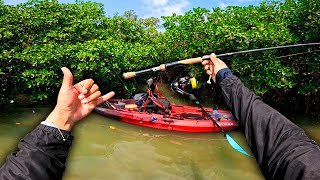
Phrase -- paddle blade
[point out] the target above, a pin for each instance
(236, 146)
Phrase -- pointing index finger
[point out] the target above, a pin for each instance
(105, 97)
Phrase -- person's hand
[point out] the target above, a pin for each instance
(75, 101)
(213, 65)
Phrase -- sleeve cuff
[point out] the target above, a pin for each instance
(222, 74)
(49, 128)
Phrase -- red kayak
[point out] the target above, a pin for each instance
(180, 118)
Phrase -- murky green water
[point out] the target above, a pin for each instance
(108, 149)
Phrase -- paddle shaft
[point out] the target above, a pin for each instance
(231, 141)
(195, 100)
(212, 119)
(163, 67)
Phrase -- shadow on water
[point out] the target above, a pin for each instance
(108, 149)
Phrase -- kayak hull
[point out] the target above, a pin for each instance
(182, 118)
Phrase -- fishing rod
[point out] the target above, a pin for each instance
(163, 67)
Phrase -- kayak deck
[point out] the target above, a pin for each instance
(181, 118)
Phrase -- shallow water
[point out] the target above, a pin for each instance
(108, 149)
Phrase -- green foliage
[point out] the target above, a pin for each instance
(201, 31)
(41, 36)
(302, 19)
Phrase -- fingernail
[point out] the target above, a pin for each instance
(84, 91)
(84, 101)
(81, 96)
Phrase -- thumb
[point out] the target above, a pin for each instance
(67, 78)
(213, 58)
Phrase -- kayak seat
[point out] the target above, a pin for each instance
(157, 105)
(165, 102)
(153, 101)
(140, 98)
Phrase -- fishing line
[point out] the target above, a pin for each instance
(239, 57)
(279, 57)
(124, 85)
(264, 49)
(289, 55)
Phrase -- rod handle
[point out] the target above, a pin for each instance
(191, 60)
(129, 75)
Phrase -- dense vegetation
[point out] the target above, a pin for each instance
(39, 37)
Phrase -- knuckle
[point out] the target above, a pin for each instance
(95, 86)
(90, 81)
(98, 93)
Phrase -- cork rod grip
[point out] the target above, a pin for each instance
(129, 75)
(191, 61)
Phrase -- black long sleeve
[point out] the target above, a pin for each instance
(282, 149)
(42, 155)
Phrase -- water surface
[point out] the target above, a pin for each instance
(108, 149)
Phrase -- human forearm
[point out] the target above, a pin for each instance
(41, 155)
(60, 120)
(280, 147)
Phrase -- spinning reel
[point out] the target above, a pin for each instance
(184, 84)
